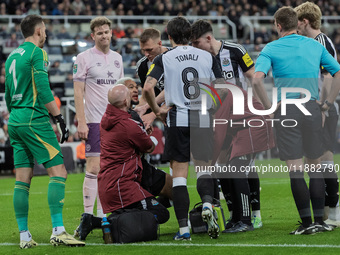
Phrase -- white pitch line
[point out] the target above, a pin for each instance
(186, 244)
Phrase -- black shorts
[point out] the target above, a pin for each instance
(329, 129)
(153, 179)
(305, 138)
(152, 205)
(180, 142)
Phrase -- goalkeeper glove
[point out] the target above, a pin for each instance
(63, 130)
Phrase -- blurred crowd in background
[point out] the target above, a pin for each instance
(126, 33)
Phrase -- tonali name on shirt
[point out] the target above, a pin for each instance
(106, 81)
(184, 57)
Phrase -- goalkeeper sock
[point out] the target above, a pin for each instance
(56, 196)
(20, 202)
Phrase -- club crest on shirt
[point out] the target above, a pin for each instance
(75, 68)
(225, 62)
(154, 202)
(117, 64)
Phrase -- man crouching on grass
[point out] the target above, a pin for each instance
(123, 139)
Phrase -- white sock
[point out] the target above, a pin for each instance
(206, 204)
(326, 213)
(334, 213)
(184, 230)
(221, 195)
(230, 214)
(256, 213)
(25, 236)
(100, 214)
(58, 230)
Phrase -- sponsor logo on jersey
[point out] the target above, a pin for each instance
(228, 75)
(160, 84)
(247, 60)
(225, 62)
(75, 68)
(17, 97)
(106, 81)
(117, 64)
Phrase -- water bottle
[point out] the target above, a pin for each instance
(106, 231)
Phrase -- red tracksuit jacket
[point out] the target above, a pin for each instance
(121, 141)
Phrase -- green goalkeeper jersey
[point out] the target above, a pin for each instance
(27, 85)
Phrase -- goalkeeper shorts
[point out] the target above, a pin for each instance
(35, 142)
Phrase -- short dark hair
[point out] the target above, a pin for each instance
(199, 28)
(287, 18)
(179, 29)
(29, 23)
(149, 33)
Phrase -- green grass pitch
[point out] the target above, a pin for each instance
(279, 217)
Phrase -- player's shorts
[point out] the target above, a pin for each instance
(35, 141)
(92, 145)
(180, 142)
(304, 139)
(153, 179)
(329, 129)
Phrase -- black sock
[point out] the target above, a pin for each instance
(164, 201)
(317, 194)
(226, 186)
(206, 188)
(332, 188)
(181, 204)
(301, 196)
(242, 199)
(96, 222)
(216, 189)
(254, 185)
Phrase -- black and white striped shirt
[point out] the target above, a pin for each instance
(142, 68)
(234, 61)
(186, 71)
(328, 44)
